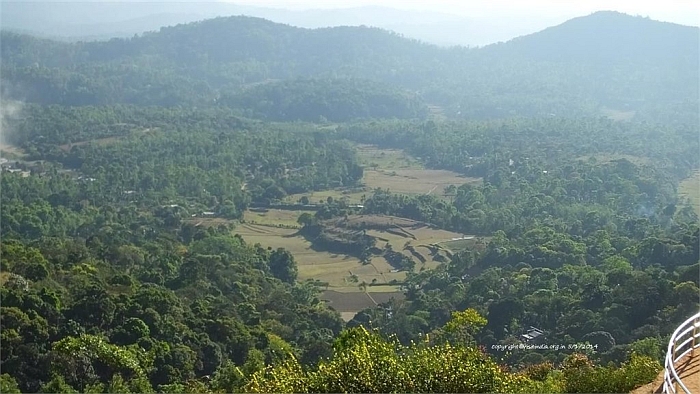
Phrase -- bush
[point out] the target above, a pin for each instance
(580, 376)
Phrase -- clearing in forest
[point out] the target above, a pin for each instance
(273, 217)
(340, 271)
(11, 152)
(207, 222)
(391, 169)
(107, 140)
(690, 189)
(402, 173)
(345, 274)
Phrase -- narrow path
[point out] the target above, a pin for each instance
(688, 370)
(372, 299)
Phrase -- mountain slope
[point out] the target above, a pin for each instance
(607, 37)
(103, 20)
(574, 68)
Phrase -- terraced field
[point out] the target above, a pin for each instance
(344, 274)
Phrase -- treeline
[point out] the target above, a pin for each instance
(484, 148)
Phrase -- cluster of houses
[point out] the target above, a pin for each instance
(10, 167)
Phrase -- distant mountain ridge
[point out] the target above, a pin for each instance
(601, 60)
(96, 20)
(608, 35)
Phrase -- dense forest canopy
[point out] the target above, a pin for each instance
(132, 167)
(575, 68)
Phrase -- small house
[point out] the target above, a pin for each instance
(532, 334)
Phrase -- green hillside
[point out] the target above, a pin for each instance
(574, 68)
(235, 205)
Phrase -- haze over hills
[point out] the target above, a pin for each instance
(236, 205)
(576, 67)
(104, 20)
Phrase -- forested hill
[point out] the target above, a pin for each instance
(608, 38)
(602, 60)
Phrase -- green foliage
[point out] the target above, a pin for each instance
(73, 354)
(8, 385)
(283, 266)
(121, 269)
(582, 377)
(335, 100)
(468, 320)
(542, 74)
(363, 362)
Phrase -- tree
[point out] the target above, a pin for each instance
(283, 266)
(305, 219)
(363, 286)
(464, 325)
(8, 385)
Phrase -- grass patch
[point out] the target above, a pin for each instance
(415, 181)
(402, 173)
(209, 222)
(273, 217)
(373, 157)
(350, 195)
(108, 140)
(690, 188)
(335, 269)
(349, 303)
(11, 152)
(391, 169)
(341, 271)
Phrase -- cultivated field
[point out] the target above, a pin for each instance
(395, 170)
(106, 140)
(388, 159)
(273, 217)
(409, 237)
(469, 242)
(208, 222)
(98, 141)
(384, 168)
(348, 304)
(327, 267)
(414, 181)
(401, 173)
(344, 274)
(690, 189)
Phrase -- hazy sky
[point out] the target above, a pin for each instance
(679, 11)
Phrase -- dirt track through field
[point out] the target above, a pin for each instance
(256, 229)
